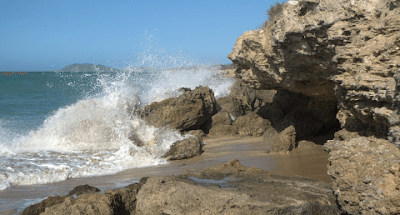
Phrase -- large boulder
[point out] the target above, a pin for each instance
(365, 173)
(187, 112)
(231, 188)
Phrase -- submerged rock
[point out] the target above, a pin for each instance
(187, 112)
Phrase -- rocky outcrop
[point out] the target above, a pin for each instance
(331, 51)
(345, 54)
(226, 188)
(366, 174)
(187, 112)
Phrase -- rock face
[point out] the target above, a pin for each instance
(366, 173)
(226, 188)
(346, 54)
(187, 112)
(336, 51)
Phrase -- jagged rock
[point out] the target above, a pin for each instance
(187, 112)
(79, 190)
(344, 52)
(186, 148)
(366, 175)
(284, 142)
(231, 188)
(251, 124)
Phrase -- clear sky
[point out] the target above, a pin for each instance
(38, 35)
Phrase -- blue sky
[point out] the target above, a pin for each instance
(51, 34)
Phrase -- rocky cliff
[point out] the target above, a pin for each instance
(347, 53)
(343, 51)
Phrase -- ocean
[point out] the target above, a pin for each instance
(60, 125)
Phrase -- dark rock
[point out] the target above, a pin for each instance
(186, 148)
(187, 112)
(305, 126)
(79, 190)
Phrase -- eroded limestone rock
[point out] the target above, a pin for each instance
(343, 51)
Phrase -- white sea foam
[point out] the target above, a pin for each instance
(92, 136)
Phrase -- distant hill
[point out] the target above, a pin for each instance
(87, 67)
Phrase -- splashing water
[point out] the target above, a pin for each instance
(90, 135)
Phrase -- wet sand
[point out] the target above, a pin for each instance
(251, 151)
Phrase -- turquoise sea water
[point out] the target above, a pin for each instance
(55, 126)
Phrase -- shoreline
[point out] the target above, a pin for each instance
(250, 151)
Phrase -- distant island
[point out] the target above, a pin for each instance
(87, 67)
